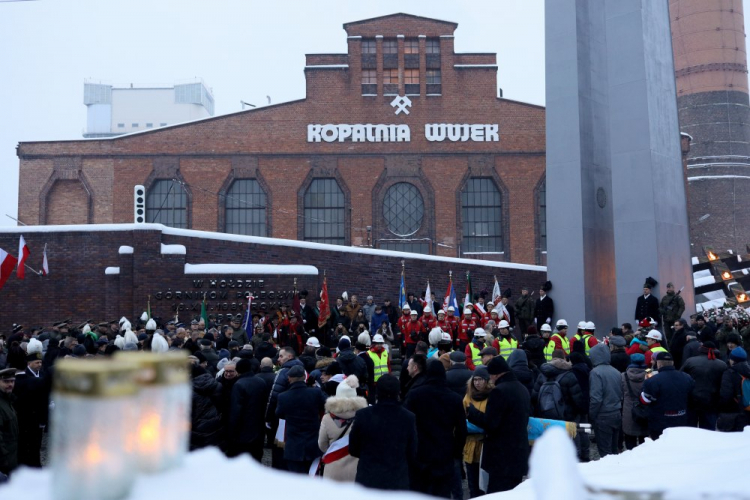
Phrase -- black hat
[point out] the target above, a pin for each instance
(323, 352)
(243, 366)
(664, 356)
(507, 293)
(201, 357)
(17, 328)
(488, 350)
(481, 372)
(296, 372)
(205, 342)
(209, 336)
(497, 366)
(102, 341)
(303, 294)
(650, 283)
(7, 374)
(142, 336)
(483, 294)
(233, 343)
(236, 319)
(34, 356)
(103, 324)
(547, 286)
(457, 357)
(194, 322)
(79, 351)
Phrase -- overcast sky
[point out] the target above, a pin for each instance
(243, 50)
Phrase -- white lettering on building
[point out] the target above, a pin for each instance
(434, 132)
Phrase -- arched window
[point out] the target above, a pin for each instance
(403, 212)
(246, 208)
(481, 216)
(166, 203)
(542, 215)
(325, 212)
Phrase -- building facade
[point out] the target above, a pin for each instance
(401, 144)
(113, 111)
(708, 40)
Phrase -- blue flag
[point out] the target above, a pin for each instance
(402, 293)
(247, 323)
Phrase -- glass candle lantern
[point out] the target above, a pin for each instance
(163, 426)
(92, 454)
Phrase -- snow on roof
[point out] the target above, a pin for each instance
(259, 240)
(173, 249)
(112, 270)
(250, 269)
(124, 250)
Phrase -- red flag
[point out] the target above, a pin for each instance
(7, 264)
(325, 308)
(23, 254)
(295, 302)
(45, 265)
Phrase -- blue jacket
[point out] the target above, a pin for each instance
(667, 394)
(377, 320)
(280, 384)
(301, 407)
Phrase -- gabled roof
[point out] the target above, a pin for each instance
(400, 14)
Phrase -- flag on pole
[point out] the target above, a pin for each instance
(428, 297)
(450, 296)
(496, 293)
(402, 291)
(148, 309)
(469, 295)
(45, 265)
(7, 264)
(295, 302)
(247, 323)
(23, 254)
(325, 307)
(204, 312)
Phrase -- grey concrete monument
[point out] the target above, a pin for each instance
(616, 206)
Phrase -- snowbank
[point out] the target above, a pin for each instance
(296, 270)
(683, 464)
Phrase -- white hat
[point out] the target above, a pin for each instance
(446, 337)
(479, 332)
(414, 313)
(441, 312)
(561, 322)
(348, 388)
(653, 334)
(467, 311)
(86, 329)
(119, 341)
(436, 334)
(125, 326)
(581, 325)
(151, 325)
(144, 316)
(427, 309)
(377, 339)
(503, 324)
(34, 346)
(451, 308)
(653, 321)
(159, 344)
(406, 307)
(364, 338)
(546, 328)
(313, 342)
(590, 325)
(123, 320)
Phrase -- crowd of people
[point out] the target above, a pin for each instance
(411, 399)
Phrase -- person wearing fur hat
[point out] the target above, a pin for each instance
(32, 390)
(335, 428)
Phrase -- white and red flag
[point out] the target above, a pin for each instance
(23, 254)
(45, 265)
(7, 264)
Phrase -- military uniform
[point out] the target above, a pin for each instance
(672, 307)
(8, 427)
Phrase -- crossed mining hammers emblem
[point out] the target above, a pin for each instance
(401, 103)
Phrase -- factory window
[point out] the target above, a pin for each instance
(403, 209)
(411, 81)
(166, 203)
(246, 208)
(368, 46)
(481, 216)
(411, 47)
(390, 81)
(324, 212)
(390, 47)
(433, 46)
(369, 81)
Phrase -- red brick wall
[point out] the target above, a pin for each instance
(67, 203)
(77, 287)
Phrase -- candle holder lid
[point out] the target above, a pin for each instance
(158, 368)
(95, 378)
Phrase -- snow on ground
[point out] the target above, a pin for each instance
(684, 464)
(296, 270)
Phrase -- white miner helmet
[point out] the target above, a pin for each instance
(546, 328)
(377, 339)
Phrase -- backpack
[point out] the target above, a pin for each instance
(551, 401)
(745, 394)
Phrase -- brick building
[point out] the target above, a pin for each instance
(399, 144)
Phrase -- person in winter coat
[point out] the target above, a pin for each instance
(384, 438)
(735, 416)
(246, 429)
(666, 394)
(706, 370)
(300, 406)
(582, 370)
(337, 423)
(8, 422)
(559, 369)
(505, 454)
(519, 365)
(618, 357)
(205, 429)
(605, 401)
(478, 390)
(679, 339)
(350, 363)
(32, 391)
(524, 309)
(441, 432)
(534, 347)
(632, 383)
(369, 308)
(378, 318)
(458, 374)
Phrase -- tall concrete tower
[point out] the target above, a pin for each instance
(710, 59)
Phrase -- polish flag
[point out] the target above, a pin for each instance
(338, 450)
(45, 265)
(7, 264)
(23, 254)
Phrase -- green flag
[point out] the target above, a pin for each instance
(204, 313)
